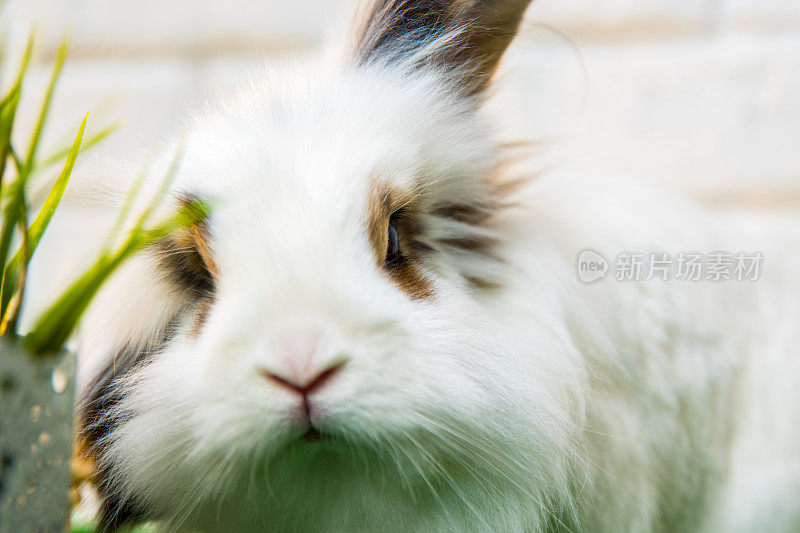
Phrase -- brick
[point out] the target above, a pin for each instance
(148, 96)
(623, 18)
(201, 27)
(760, 14)
(183, 27)
(152, 99)
(703, 115)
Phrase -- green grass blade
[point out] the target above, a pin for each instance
(57, 323)
(58, 156)
(162, 189)
(11, 215)
(8, 325)
(23, 69)
(15, 157)
(40, 223)
(13, 191)
(8, 110)
(58, 65)
(126, 207)
(9, 107)
(12, 93)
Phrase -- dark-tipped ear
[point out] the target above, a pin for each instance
(466, 37)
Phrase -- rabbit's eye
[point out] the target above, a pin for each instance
(393, 248)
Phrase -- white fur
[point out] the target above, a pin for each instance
(548, 403)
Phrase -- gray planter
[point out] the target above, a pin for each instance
(36, 410)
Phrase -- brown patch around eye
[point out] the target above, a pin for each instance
(409, 277)
(405, 270)
(378, 212)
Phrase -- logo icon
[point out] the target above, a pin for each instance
(592, 266)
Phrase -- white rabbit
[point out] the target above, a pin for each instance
(375, 329)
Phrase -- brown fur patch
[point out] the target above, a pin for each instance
(186, 258)
(483, 284)
(466, 213)
(201, 316)
(477, 245)
(480, 213)
(182, 265)
(82, 467)
(378, 212)
(401, 208)
(200, 237)
(500, 191)
(500, 188)
(410, 278)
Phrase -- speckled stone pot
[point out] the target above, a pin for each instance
(36, 413)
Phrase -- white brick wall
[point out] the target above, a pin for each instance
(194, 28)
(625, 18)
(766, 15)
(701, 113)
(696, 94)
(701, 95)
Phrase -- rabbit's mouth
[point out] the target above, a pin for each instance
(313, 435)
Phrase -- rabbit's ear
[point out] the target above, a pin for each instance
(464, 37)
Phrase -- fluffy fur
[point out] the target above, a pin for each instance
(509, 397)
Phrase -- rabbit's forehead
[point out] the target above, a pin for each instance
(315, 171)
(323, 148)
(326, 221)
(332, 132)
(330, 137)
(326, 186)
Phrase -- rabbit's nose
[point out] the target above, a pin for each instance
(302, 355)
(305, 383)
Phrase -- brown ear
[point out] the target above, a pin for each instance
(467, 37)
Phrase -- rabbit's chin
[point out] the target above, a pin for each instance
(411, 481)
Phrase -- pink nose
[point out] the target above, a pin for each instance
(305, 386)
(302, 356)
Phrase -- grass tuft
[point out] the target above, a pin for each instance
(52, 330)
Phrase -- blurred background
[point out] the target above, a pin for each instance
(701, 96)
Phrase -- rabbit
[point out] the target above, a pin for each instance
(379, 325)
